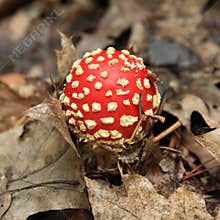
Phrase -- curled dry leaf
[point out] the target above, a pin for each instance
(206, 148)
(138, 199)
(38, 157)
(65, 57)
(51, 113)
(188, 104)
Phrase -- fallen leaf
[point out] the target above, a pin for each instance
(5, 200)
(41, 158)
(51, 113)
(137, 199)
(12, 106)
(65, 57)
(206, 148)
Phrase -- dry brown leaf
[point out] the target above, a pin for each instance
(65, 57)
(12, 106)
(120, 16)
(138, 199)
(51, 113)
(13, 79)
(206, 148)
(5, 200)
(40, 155)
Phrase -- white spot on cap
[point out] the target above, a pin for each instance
(122, 57)
(104, 74)
(115, 134)
(97, 51)
(108, 93)
(133, 56)
(81, 96)
(107, 120)
(125, 69)
(149, 97)
(138, 83)
(98, 85)
(72, 121)
(101, 133)
(110, 50)
(126, 102)
(90, 78)
(123, 82)
(68, 113)
(82, 127)
(75, 95)
(126, 52)
(79, 114)
(86, 90)
(156, 100)
(76, 63)
(121, 92)
(88, 59)
(93, 66)
(79, 70)
(140, 59)
(146, 83)
(135, 99)
(149, 112)
(69, 78)
(85, 107)
(86, 54)
(100, 58)
(90, 124)
(66, 100)
(112, 62)
(74, 106)
(112, 106)
(128, 120)
(96, 107)
(75, 84)
(62, 96)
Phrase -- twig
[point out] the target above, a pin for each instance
(43, 184)
(170, 149)
(167, 131)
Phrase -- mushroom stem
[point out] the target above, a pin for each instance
(167, 131)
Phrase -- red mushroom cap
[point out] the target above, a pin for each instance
(102, 92)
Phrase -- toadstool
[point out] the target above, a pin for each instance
(101, 96)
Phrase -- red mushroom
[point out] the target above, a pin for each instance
(102, 92)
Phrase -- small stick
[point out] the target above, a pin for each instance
(170, 149)
(167, 131)
(43, 184)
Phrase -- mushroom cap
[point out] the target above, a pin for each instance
(102, 95)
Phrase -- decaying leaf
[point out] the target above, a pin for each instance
(65, 57)
(109, 27)
(12, 106)
(137, 199)
(5, 200)
(206, 148)
(51, 113)
(42, 158)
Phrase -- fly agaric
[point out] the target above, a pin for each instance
(102, 96)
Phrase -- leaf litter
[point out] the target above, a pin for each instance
(188, 168)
